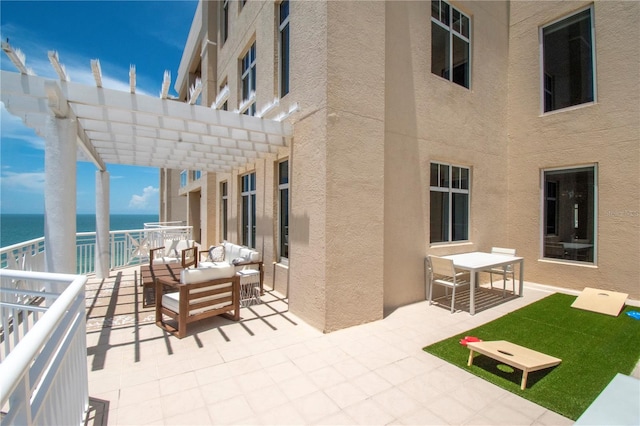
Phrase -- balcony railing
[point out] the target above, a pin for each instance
(126, 248)
(43, 350)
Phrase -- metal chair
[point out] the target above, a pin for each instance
(444, 273)
(505, 271)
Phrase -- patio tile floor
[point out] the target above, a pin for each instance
(273, 368)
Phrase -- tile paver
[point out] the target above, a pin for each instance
(273, 368)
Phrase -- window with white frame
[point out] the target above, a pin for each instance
(224, 205)
(248, 200)
(224, 30)
(450, 43)
(283, 209)
(449, 203)
(568, 61)
(248, 78)
(183, 178)
(284, 47)
(569, 213)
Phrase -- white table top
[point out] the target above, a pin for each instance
(478, 260)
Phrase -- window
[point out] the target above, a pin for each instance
(249, 81)
(196, 174)
(225, 20)
(284, 47)
(450, 43)
(248, 196)
(283, 207)
(569, 204)
(183, 178)
(568, 62)
(449, 204)
(224, 204)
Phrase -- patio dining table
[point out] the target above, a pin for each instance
(478, 261)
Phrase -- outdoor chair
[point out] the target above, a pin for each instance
(201, 293)
(444, 273)
(505, 271)
(171, 252)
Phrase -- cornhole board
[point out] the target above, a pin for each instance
(516, 356)
(600, 301)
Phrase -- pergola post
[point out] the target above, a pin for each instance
(60, 195)
(102, 224)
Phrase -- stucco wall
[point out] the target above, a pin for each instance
(257, 21)
(428, 118)
(605, 133)
(354, 163)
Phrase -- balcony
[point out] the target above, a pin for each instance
(42, 326)
(269, 368)
(273, 368)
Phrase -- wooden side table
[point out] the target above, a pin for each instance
(148, 275)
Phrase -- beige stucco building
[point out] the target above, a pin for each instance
(524, 134)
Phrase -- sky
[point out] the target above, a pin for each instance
(148, 34)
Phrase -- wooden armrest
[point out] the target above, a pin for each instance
(152, 253)
(258, 264)
(190, 257)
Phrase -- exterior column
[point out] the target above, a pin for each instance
(60, 195)
(102, 224)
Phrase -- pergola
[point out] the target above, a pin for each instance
(85, 123)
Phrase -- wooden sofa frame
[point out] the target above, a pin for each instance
(189, 301)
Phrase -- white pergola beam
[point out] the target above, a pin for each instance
(132, 78)
(97, 72)
(57, 66)
(17, 58)
(166, 82)
(132, 129)
(194, 91)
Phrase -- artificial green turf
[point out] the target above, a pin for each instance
(593, 348)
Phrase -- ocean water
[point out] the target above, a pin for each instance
(16, 228)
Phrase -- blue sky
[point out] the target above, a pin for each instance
(148, 34)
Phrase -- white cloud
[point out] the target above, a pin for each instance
(30, 182)
(149, 195)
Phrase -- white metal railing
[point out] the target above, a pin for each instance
(126, 248)
(43, 355)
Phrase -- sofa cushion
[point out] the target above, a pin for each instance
(231, 251)
(165, 259)
(211, 272)
(172, 300)
(173, 248)
(249, 255)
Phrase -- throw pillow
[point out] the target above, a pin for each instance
(216, 254)
(238, 260)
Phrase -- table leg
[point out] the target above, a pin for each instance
(470, 362)
(523, 384)
(521, 291)
(472, 293)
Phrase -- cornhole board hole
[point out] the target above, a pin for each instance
(516, 356)
(600, 301)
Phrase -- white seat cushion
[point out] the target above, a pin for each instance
(213, 272)
(165, 259)
(172, 300)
